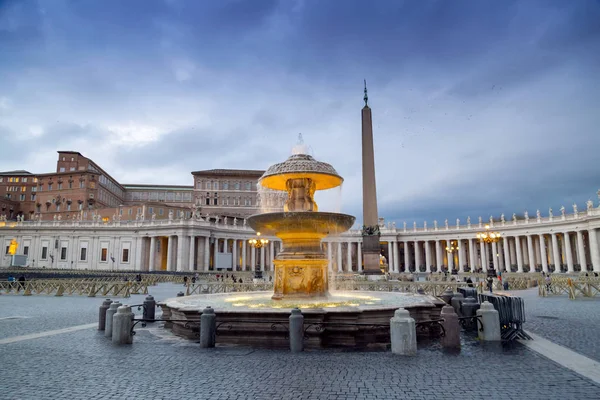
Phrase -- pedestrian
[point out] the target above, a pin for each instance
(490, 283)
(469, 282)
(185, 281)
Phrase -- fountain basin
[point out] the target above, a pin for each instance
(342, 319)
(315, 225)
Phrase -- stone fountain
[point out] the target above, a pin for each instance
(301, 268)
(351, 319)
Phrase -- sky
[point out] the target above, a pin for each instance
(480, 107)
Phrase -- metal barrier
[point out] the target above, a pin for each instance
(60, 287)
(584, 286)
(511, 311)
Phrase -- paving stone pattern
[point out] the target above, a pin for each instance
(570, 323)
(85, 365)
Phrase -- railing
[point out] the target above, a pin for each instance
(227, 287)
(511, 311)
(572, 287)
(432, 288)
(70, 287)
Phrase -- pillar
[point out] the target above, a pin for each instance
(192, 261)
(438, 255)
(138, 253)
(519, 255)
(151, 258)
(530, 253)
(483, 257)
(396, 257)
(427, 257)
(461, 256)
(495, 256)
(339, 256)
(234, 257)
(349, 257)
(594, 250)
(543, 254)
(581, 259)
(252, 258)
(450, 256)
(359, 259)
(271, 256)
(262, 258)
(406, 258)
(244, 266)
(390, 260)
(506, 248)
(170, 253)
(569, 252)
(215, 253)
(555, 254)
(417, 256)
(329, 257)
(206, 253)
(472, 256)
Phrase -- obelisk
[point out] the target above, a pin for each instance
(370, 230)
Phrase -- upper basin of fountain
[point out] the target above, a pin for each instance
(318, 223)
(301, 166)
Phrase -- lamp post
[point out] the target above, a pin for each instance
(257, 243)
(489, 237)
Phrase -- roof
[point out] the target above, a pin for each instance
(16, 172)
(157, 187)
(229, 172)
(70, 152)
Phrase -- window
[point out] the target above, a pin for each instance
(83, 254)
(22, 197)
(7, 248)
(59, 186)
(49, 186)
(34, 188)
(11, 179)
(160, 211)
(130, 211)
(58, 207)
(16, 179)
(92, 185)
(68, 207)
(23, 188)
(32, 196)
(216, 201)
(215, 185)
(63, 253)
(63, 159)
(207, 201)
(81, 184)
(72, 159)
(248, 185)
(120, 211)
(1, 179)
(225, 185)
(25, 250)
(70, 185)
(125, 258)
(103, 254)
(72, 169)
(150, 210)
(237, 186)
(8, 196)
(24, 180)
(226, 201)
(62, 169)
(34, 180)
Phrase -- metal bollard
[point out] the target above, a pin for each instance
(121, 326)
(149, 308)
(109, 318)
(456, 302)
(102, 314)
(447, 295)
(451, 336)
(208, 328)
(296, 331)
(468, 309)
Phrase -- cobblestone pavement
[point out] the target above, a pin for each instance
(85, 365)
(570, 323)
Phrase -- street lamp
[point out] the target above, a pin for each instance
(257, 242)
(488, 236)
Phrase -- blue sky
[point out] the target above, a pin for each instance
(479, 107)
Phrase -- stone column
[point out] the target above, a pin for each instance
(427, 256)
(543, 254)
(519, 255)
(244, 251)
(359, 258)
(206, 253)
(215, 253)
(500, 246)
(438, 255)
(349, 256)
(569, 252)
(339, 257)
(461, 256)
(530, 253)
(581, 259)
(234, 257)
(472, 255)
(390, 260)
(180, 243)
(483, 257)
(450, 256)
(151, 258)
(138, 254)
(329, 257)
(555, 254)
(495, 256)
(252, 258)
(594, 250)
(406, 258)
(396, 257)
(192, 262)
(417, 256)
(271, 256)
(262, 258)
(506, 249)
(170, 253)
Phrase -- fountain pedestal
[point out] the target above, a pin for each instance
(300, 278)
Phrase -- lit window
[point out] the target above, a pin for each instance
(16, 179)
(103, 254)
(23, 188)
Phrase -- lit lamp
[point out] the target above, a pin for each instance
(257, 242)
(452, 246)
(487, 236)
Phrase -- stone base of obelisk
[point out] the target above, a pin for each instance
(371, 255)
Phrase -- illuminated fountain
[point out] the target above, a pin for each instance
(354, 318)
(301, 268)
